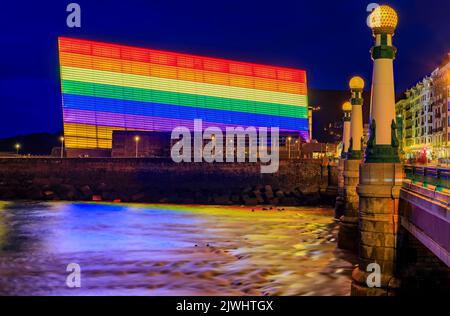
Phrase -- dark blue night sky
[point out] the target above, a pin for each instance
(327, 38)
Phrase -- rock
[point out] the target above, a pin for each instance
(40, 181)
(258, 196)
(268, 192)
(108, 196)
(235, 199)
(187, 200)
(67, 192)
(308, 190)
(86, 192)
(201, 197)
(249, 201)
(289, 201)
(258, 187)
(279, 194)
(125, 197)
(312, 198)
(8, 195)
(35, 193)
(97, 198)
(222, 200)
(173, 198)
(247, 190)
(49, 195)
(101, 187)
(154, 196)
(297, 194)
(54, 180)
(139, 197)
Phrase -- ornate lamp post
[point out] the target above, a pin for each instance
(383, 143)
(381, 173)
(348, 228)
(356, 127)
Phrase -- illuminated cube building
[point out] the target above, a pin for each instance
(108, 87)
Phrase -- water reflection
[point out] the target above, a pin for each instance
(169, 250)
(15, 224)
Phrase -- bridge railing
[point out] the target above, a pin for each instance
(436, 176)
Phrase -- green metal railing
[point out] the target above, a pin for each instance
(436, 176)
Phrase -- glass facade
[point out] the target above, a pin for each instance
(108, 87)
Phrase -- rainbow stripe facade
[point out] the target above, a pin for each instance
(108, 87)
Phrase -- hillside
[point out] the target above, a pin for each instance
(34, 144)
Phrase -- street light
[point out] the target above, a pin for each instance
(62, 146)
(289, 147)
(17, 146)
(136, 139)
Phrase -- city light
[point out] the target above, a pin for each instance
(17, 146)
(421, 119)
(136, 140)
(383, 19)
(347, 107)
(62, 146)
(356, 83)
(289, 146)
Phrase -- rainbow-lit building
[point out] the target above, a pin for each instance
(107, 87)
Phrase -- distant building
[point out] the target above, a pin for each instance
(422, 117)
(404, 115)
(143, 144)
(366, 129)
(319, 150)
(110, 87)
(441, 95)
(140, 144)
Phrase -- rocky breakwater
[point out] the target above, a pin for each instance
(160, 181)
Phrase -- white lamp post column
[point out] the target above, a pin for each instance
(348, 228)
(347, 108)
(381, 174)
(383, 145)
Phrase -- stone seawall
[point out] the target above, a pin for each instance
(161, 181)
